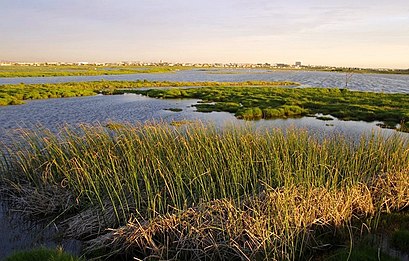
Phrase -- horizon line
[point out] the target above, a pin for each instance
(170, 63)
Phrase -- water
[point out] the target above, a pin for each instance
(17, 234)
(362, 82)
(130, 108)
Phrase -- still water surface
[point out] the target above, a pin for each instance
(363, 82)
(131, 108)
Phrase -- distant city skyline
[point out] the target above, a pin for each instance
(366, 34)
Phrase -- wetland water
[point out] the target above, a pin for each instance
(52, 113)
(130, 108)
(362, 82)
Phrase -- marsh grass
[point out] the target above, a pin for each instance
(269, 102)
(194, 191)
(14, 94)
(81, 70)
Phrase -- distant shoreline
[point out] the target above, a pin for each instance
(97, 70)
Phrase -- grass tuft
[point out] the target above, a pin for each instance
(198, 192)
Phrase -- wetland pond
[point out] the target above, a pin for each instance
(131, 108)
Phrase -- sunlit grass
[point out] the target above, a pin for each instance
(195, 191)
(14, 94)
(82, 70)
(267, 102)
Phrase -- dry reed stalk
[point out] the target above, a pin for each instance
(267, 226)
(90, 222)
(31, 201)
(391, 192)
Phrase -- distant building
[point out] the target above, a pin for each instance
(297, 64)
(281, 65)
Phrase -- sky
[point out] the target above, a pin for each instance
(350, 33)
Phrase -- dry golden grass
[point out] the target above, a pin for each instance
(279, 224)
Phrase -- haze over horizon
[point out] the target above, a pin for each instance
(340, 33)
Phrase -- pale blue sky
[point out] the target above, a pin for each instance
(344, 33)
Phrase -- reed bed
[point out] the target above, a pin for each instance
(199, 192)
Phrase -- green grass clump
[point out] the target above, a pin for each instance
(194, 191)
(283, 112)
(42, 254)
(283, 102)
(250, 113)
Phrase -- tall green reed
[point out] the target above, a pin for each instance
(155, 168)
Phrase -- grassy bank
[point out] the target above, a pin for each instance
(196, 192)
(81, 70)
(273, 102)
(13, 94)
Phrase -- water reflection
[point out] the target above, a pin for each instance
(130, 108)
(17, 233)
